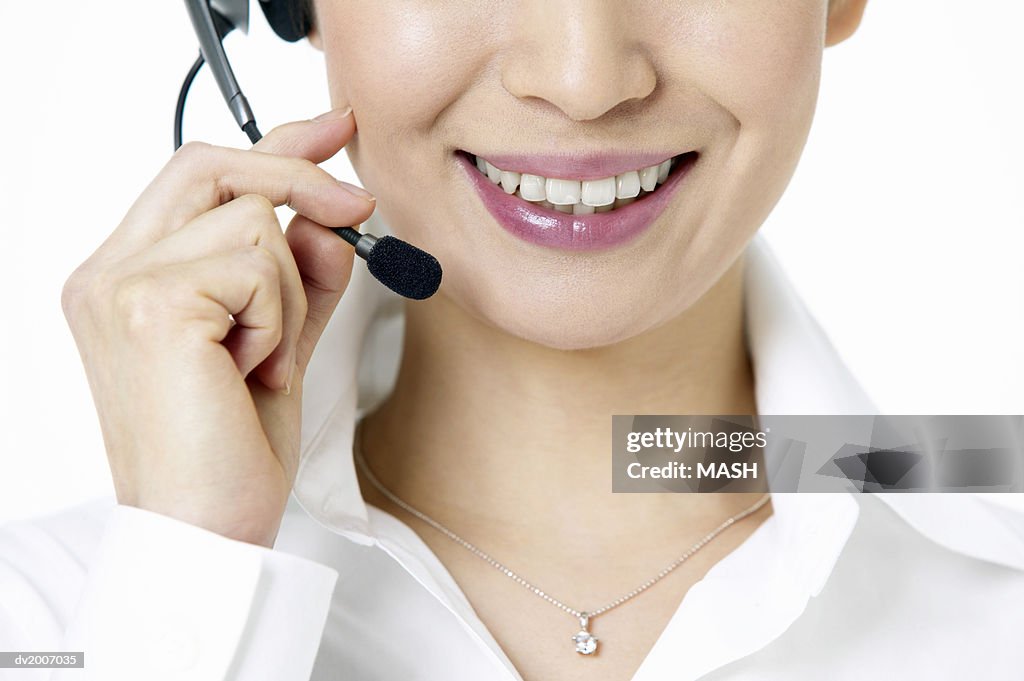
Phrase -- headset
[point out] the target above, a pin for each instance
(403, 268)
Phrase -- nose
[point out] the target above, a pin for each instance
(582, 56)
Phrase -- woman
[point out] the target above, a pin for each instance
(496, 424)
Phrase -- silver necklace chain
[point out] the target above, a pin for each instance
(583, 642)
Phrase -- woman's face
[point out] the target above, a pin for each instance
(575, 91)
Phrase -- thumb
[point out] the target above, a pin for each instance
(325, 265)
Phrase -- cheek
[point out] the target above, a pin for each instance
(385, 61)
(761, 61)
(761, 65)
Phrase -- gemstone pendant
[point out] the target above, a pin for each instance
(586, 643)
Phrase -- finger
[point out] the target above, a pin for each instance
(249, 220)
(325, 262)
(200, 177)
(244, 283)
(290, 139)
(258, 324)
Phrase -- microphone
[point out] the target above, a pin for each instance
(408, 271)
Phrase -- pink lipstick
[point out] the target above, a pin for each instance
(547, 227)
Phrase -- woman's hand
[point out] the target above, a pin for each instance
(197, 416)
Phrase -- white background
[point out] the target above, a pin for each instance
(903, 227)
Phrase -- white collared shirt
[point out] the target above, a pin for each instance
(836, 586)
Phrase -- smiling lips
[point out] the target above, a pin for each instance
(578, 196)
(591, 203)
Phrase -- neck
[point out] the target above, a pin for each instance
(491, 430)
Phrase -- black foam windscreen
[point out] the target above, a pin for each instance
(290, 19)
(408, 271)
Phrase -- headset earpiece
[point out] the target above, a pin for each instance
(290, 19)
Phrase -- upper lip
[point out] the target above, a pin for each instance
(577, 166)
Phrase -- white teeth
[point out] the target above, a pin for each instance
(649, 178)
(532, 187)
(663, 170)
(627, 185)
(493, 173)
(509, 181)
(563, 192)
(598, 192)
(578, 197)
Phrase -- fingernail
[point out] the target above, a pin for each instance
(291, 376)
(358, 191)
(334, 114)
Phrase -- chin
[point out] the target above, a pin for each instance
(566, 323)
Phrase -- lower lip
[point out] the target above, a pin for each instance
(592, 232)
